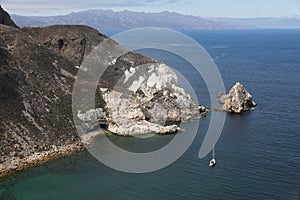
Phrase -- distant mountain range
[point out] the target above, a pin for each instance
(266, 22)
(110, 20)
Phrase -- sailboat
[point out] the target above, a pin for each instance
(212, 162)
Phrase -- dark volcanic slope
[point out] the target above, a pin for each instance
(5, 18)
(70, 42)
(37, 66)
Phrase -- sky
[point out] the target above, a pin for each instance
(204, 8)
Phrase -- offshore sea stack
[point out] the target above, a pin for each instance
(238, 100)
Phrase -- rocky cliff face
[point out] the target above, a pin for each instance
(5, 18)
(139, 94)
(38, 67)
(150, 95)
(238, 100)
(35, 96)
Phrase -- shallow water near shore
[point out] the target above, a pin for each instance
(257, 154)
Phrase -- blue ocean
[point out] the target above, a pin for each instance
(258, 153)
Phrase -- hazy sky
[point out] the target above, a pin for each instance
(205, 8)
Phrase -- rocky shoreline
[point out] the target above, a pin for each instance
(15, 164)
(18, 164)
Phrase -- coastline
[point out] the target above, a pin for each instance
(15, 164)
(18, 164)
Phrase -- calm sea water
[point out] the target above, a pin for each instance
(258, 154)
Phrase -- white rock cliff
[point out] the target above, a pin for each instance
(146, 97)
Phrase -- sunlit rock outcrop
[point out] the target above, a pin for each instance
(238, 100)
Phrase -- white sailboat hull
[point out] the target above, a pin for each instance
(212, 163)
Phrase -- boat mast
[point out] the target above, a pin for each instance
(212, 162)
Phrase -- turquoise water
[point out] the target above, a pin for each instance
(257, 154)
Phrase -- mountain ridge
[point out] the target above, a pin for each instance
(122, 20)
(110, 20)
